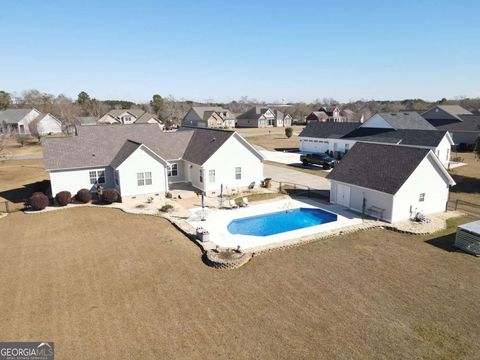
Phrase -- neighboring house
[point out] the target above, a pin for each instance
(392, 183)
(128, 117)
(351, 116)
(261, 117)
(141, 159)
(21, 121)
(411, 120)
(332, 114)
(209, 117)
(339, 138)
(462, 124)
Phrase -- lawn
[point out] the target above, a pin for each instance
(467, 179)
(274, 141)
(103, 284)
(13, 148)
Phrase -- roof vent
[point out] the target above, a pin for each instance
(93, 154)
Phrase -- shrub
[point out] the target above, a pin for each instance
(38, 201)
(84, 196)
(288, 132)
(166, 208)
(22, 139)
(63, 198)
(109, 196)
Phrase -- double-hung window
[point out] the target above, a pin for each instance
(238, 173)
(211, 176)
(97, 177)
(148, 178)
(140, 179)
(173, 171)
(421, 197)
(201, 176)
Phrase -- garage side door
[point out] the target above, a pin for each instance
(343, 195)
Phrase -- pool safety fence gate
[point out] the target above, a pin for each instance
(294, 189)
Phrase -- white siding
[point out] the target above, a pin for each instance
(76, 179)
(232, 154)
(49, 125)
(376, 121)
(180, 172)
(427, 179)
(316, 145)
(141, 161)
(443, 151)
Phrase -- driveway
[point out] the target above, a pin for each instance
(282, 174)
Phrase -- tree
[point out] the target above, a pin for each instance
(5, 100)
(288, 132)
(83, 99)
(157, 105)
(33, 128)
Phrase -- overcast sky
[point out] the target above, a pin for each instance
(222, 50)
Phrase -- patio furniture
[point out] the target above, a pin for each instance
(244, 202)
(233, 204)
(251, 186)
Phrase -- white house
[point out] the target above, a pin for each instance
(262, 116)
(339, 138)
(390, 182)
(21, 121)
(141, 159)
(128, 117)
(209, 117)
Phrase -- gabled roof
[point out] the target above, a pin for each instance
(404, 120)
(468, 123)
(145, 118)
(204, 112)
(454, 110)
(204, 143)
(117, 112)
(87, 120)
(327, 130)
(352, 131)
(384, 168)
(254, 113)
(13, 116)
(104, 145)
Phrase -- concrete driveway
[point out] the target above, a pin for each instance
(293, 176)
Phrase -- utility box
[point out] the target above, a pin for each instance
(468, 238)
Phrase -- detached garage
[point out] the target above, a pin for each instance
(390, 182)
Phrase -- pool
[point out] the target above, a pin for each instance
(280, 222)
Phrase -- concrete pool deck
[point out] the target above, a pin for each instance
(216, 222)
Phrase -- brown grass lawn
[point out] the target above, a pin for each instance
(13, 148)
(103, 284)
(274, 141)
(467, 179)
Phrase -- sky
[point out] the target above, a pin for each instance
(222, 50)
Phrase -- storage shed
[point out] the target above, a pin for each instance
(390, 182)
(468, 237)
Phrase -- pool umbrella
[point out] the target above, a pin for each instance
(221, 195)
(203, 206)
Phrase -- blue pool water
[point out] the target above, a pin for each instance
(279, 222)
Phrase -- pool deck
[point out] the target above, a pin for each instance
(216, 222)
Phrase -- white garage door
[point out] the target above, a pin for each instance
(343, 195)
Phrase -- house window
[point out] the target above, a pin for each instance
(238, 173)
(140, 179)
(201, 175)
(211, 176)
(97, 177)
(173, 171)
(93, 177)
(148, 178)
(448, 155)
(421, 197)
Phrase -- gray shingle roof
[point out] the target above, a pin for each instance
(327, 130)
(467, 123)
(145, 118)
(87, 120)
(406, 120)
(13, 116)
(117, 112)
(379, 167)
(254, 113)
(204, 143)
(97, 145)
(352, 131)
(104, 145)
(204, 112)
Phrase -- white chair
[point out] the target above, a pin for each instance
(244, 202)
(233, 204)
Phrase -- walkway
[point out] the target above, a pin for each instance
(282, 174)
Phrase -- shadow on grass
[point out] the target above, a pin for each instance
(466, 184)
(445, 242)
(19, 195)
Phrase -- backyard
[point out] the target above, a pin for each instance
(468, 182)
(105, 284)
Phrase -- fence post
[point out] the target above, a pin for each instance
(7, 207)
(280, 187)
(308, 191)
(456, 204)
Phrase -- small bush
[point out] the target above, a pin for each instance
(84, 196)
(109, 196)
(288, 132)
(166, 208)
(63, 198)
(38, 201)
